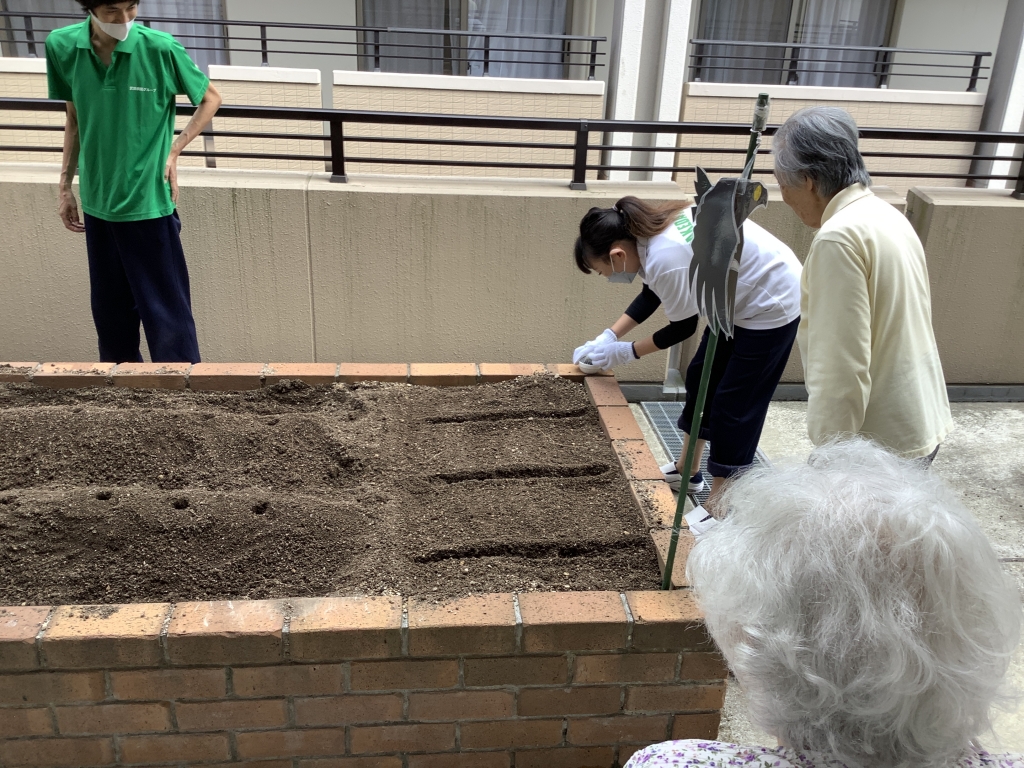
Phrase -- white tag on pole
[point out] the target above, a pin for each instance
(699, 521)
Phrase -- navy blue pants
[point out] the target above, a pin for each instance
(744, 374)
(137, 272)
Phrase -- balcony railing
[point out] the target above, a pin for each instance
(715, 60)
(278, 38)
(337, 158)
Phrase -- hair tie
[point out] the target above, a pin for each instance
(617, 209)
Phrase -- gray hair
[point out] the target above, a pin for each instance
(820, 144)
(860, 607)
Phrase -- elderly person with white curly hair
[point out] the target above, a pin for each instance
(864, 615)
(871, 365)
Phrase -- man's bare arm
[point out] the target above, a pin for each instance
(200, 119)
(68, 205)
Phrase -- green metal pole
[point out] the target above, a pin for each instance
(760, 118)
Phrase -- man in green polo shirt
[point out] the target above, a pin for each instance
(120, 80)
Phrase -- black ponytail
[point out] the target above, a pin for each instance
(628, 219)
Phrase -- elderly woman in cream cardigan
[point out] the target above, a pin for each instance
(871, 366)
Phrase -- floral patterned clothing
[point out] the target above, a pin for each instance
(692, 753)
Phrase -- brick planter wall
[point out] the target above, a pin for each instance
(567, 679)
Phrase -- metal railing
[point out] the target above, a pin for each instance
(710, 59)
(265, 38)
(337, 158)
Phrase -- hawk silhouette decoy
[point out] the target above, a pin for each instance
(718, 243)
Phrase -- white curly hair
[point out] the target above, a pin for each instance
(860, 606)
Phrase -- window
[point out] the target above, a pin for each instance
(205, 43)
(810, 22)
(472, 24)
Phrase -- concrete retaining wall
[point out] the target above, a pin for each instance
(290, 267)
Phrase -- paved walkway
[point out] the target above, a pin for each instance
(984, 460)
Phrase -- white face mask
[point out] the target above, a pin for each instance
(116, 31)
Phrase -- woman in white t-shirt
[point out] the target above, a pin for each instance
(655, 242)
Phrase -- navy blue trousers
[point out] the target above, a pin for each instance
(744, 374)
(137, 272)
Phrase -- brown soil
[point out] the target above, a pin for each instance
(118, 495)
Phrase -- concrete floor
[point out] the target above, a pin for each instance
(983, 459)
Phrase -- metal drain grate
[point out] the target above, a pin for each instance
(663, 416)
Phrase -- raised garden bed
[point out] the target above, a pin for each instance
(444, 517)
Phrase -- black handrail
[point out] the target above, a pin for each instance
(580, 147)
(883, 67)
(369, 47)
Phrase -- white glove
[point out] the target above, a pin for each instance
(613, 354)
(606, 336)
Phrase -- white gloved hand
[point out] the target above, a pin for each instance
(606, 336)
(613, 354)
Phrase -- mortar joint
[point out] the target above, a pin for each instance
(40, 656)
(630, 623)
(165, 628)
(519, 622)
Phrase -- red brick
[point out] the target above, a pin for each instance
(225, 377)
(232, 715)
(667, 620)
(25, 722)
(703, 726)
(566, 757)
(662, 538)
(82, 636)
(566, 371)
(51, 687)
(403, 675)
(245, 631)
(443, 374)
(311, 373)
(656, 501)
(604, 390)
(347, 762)
(353, 372)
(16, 372)
(703, 666)
(70, 375)
(57, 753)
(18, 629)
(626, 668)
(345, 710)
(506, 371)
(512, 733)
(334, 628)
(169, 684)
(461, 705)
(461, 760)
(371, 739)
(636, 460)
(254, 764)
(151, 375)
(292, 680)
(618, 423)
(479, 624)
(675, 698)
(614, 730)
(174, 748)
(572, 621)
(521, 670)
(114, 719)
(320, 742)
(578, 700)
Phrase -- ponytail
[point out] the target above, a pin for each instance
(629, 219)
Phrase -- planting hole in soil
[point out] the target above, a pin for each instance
(113, 495)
